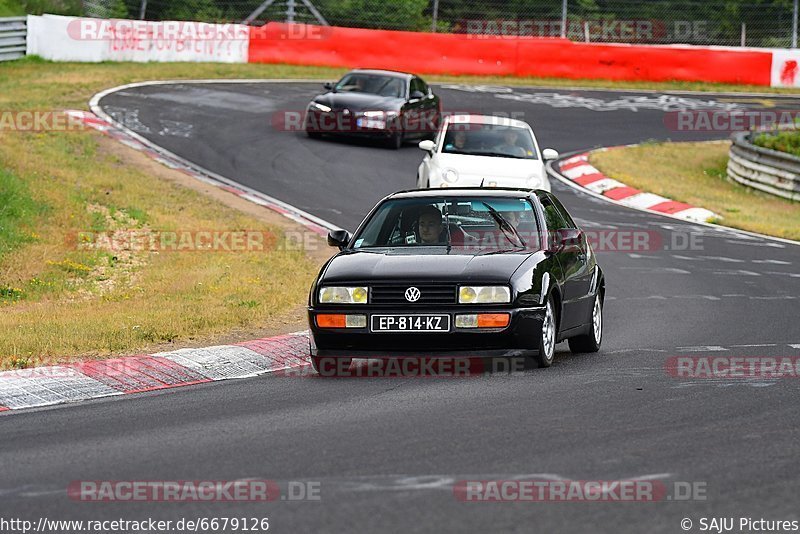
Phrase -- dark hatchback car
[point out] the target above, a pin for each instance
(388, 105)
(469, 272)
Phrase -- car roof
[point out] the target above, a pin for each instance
(384, 72)
(467, 118)
(507, 192)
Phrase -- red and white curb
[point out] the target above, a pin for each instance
(44, 386)
(578, 169)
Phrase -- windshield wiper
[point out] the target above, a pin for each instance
(447, 222)
(504, 225)
(498, 155)
(515, 248)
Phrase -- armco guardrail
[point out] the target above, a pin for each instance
(13, 33)
(768, 170)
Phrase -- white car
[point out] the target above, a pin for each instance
(484, 151)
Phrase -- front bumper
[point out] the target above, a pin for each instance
(350, 125)
(520, 337)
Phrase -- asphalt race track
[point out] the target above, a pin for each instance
(386, 452)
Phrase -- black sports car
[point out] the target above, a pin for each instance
(391, 105)
(458, 272)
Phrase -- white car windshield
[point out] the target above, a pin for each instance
(479, 224)
(489, 140)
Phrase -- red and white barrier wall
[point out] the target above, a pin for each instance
(60, 38)
(75, 39)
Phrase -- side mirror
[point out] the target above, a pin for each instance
(328, 85)
(549, 153)
(417, 95)
(565, 239)
(338, 238)
(427, 145)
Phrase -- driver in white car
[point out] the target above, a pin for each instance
(509, 145)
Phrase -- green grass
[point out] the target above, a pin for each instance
(11, 8)
(696, 173)
(18, 213)
(788, 141)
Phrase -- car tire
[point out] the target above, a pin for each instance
(327, 366)
(547, 336)
(395, 140)
(590, 342)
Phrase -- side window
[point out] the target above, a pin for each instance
(423, 86)
(417, 85)
(569, 223)
(552, 216)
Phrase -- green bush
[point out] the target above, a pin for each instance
(788, 141)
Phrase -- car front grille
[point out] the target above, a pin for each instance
(429, 294)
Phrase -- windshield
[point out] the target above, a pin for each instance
(489, 140)
(375, 84)
(480, 224)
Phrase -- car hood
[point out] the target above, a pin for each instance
(489, 167)
(359, 101)
(429, 264)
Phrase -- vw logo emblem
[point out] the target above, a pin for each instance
(412, 294)
(346, 111)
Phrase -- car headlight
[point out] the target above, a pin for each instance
(343, 295)
(450, 176)
(321, 107)
(484, 295)
(380, 114)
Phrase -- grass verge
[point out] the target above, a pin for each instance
(695, 173)
(60, 300)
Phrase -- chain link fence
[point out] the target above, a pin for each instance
(756, 23)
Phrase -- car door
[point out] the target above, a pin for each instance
(430, 110)
(414, 110)
(582, 278)
(572, 259)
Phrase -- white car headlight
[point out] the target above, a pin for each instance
(450, 176)
(321, 107)
(380, 114)
(484, 295)
(343, 295)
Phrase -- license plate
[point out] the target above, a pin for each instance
(410, 323)
(371, 123)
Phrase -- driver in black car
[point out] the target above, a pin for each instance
(430, 226)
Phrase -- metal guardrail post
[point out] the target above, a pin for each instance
(13, 37)
(777, 173)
